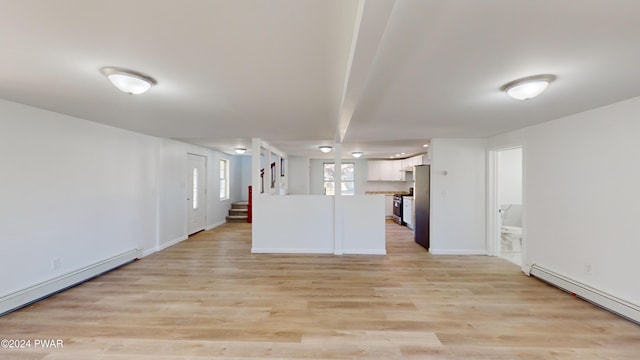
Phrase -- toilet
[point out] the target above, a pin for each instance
(511, 238)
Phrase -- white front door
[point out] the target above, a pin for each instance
(196, 193)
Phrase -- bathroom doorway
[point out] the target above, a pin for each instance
(507, 204)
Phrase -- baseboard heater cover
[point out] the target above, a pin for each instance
(599, 298)
(22, 298)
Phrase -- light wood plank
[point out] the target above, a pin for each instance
(210, 298)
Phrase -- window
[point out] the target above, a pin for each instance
(224, 179)
(347, 179)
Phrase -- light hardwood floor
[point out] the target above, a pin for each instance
(209, 298)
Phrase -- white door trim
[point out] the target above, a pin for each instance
(493, 219)
(196, 224)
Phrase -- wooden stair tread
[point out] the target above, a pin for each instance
(239, 212)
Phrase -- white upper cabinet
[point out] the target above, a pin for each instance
(374, 168)
(385, 170)
(409, 163)
(394, 170)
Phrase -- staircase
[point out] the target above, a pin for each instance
(238, 212)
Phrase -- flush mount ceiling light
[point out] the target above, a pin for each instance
(131, 82)
(240, 150)
(528, 87)
(356, 154)
(325, 148)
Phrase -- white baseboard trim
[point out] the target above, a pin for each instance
(47, 288)
(290, 251)
(178, 240)
(172, 242)
(149, 251)
(364, 252)
(215, 225)
(457, 252)
(600, 298)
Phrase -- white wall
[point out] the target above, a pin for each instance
(72, 190)
(174, 189)
(458, 199)
(510, 176)
(581, 196)
(306, 223)
(292, 224)
(316, 176)
(269, 155)
(363, 225)
(245, 175)
(82, 192)
(299, 169)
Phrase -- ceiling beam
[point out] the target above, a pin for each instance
(370, 24)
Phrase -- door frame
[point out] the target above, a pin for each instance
(189, 193)
(493, 206)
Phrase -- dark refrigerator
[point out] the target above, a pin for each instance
(421, 177)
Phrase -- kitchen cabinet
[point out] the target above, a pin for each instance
(409, 163)
(394, 170)
(385, 170)
(374, 170)
(388, 206)
(407, 211)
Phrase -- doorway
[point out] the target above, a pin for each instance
(196, 193)
(506, 204)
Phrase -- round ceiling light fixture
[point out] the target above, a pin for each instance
(528, 87)
(356, 154)
(240, 150)
(131, 82)
(325, 148)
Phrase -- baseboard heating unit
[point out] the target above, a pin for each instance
(607, 301)
(53, 286)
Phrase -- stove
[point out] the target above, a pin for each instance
(397, 208)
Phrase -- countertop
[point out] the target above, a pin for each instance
(404, 193)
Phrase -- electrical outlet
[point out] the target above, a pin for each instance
(587, 269)
(55, 264)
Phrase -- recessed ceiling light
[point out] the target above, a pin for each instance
(425, 145)
(356, 154)
(325, 148)
(528, 87)
(131, 82)
(240, 150)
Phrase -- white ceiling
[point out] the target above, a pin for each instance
(383, 76)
